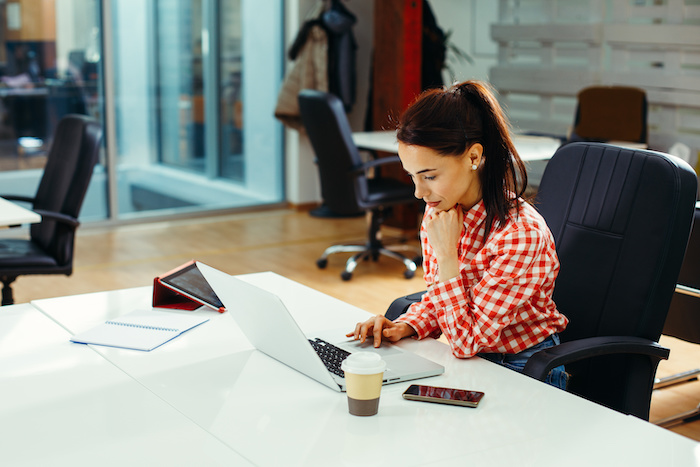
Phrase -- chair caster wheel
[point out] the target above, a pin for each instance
(346, 276)
(408, 274)
(322, 263)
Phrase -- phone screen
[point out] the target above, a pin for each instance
(451, 396)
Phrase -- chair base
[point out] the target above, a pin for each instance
(676, 379)
(683, 417)
(364, 252)
(679, 419)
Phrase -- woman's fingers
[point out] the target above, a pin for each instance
(373, 327)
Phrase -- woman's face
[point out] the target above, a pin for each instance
(443, 181)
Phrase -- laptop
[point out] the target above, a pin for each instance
(268, 325)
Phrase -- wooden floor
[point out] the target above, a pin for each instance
(286, 242)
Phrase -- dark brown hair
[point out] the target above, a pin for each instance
(449, 120)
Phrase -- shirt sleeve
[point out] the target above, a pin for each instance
(473, 312)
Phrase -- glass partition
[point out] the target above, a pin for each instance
(192, 86)
(50, 66)
(186, 140)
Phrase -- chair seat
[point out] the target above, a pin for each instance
(19, 253)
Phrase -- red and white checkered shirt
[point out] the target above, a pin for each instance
(501, 301)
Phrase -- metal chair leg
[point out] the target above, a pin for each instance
(679, 419)
(676, 379)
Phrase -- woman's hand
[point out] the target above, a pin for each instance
(379, 327)
(444, 229)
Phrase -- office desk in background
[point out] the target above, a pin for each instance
(269, 414)
(14, 214)
(530, 148)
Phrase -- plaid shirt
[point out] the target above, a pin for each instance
(501, 302)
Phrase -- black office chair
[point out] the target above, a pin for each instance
(69, 166)
(345, 184)
(620, 220)
(610, 113)
(683, 320)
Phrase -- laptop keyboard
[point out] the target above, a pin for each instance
(331, 356)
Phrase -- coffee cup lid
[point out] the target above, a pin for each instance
(363, 363)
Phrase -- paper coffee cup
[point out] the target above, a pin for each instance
(364, 372)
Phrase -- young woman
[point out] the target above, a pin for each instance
(489, 258)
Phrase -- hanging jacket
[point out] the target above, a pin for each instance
(309, 71)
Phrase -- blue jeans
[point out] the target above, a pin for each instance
(557, 377)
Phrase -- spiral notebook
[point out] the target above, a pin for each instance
(140, 329)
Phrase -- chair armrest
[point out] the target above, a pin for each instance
(401, 304)
(376, 163)
(58, 217)
(540, 364)
(24, 199)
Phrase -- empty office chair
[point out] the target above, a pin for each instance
(346, 186)
(620, 220)
(683, 320)
(611, 113)
(69, 166)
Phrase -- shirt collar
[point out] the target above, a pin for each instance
(475, 216)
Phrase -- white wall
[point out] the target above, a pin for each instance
(468, 22)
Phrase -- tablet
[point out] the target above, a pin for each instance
(189, 281)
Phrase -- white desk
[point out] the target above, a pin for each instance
(13, 214)
(64, 404)
(273, 415)
(530, 148)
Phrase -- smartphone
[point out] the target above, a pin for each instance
(450, 396)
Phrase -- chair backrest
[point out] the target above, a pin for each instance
(327, 126)
(607, 113)
(683, 320)
(69, 166)
(621, 220)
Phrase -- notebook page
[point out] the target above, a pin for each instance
(140, 330)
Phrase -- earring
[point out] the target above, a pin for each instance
(474, 167)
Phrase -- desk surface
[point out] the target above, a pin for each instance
(272, 415)
(64, 404)
(13, 214)
(530, 148)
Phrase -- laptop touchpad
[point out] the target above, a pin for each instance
(356, 346)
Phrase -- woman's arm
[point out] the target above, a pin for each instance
(485, 313)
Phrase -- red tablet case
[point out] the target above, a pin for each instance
(165, 297)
